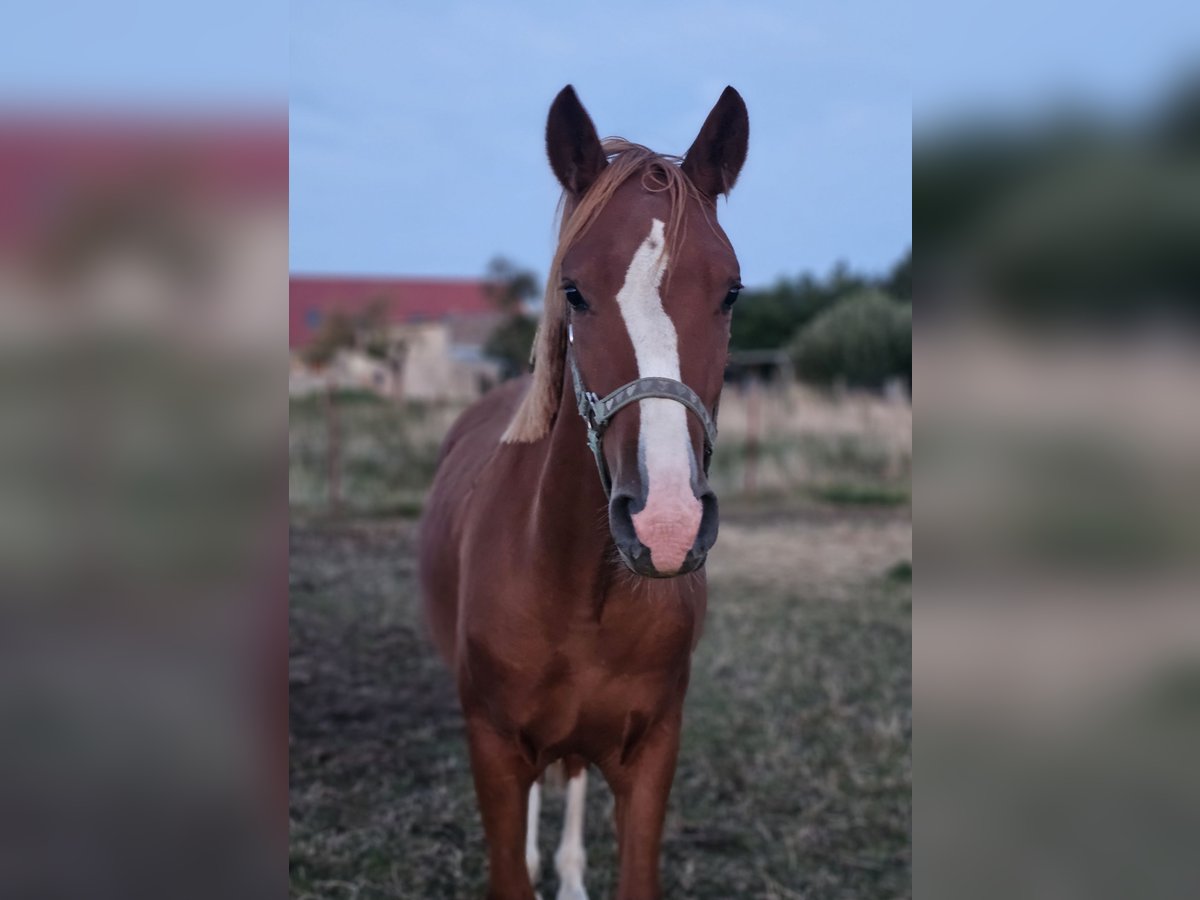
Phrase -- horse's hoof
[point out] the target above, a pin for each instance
(572, 892)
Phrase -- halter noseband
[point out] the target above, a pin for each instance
(597, 412)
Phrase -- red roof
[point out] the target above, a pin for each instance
(406, 300)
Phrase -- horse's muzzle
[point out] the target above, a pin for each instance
(637, 556)
(640, 563)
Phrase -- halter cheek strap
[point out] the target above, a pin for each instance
(597, 412)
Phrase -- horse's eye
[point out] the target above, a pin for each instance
(731, 297)
(575, 298)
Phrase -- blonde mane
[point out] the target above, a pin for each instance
(659, 173)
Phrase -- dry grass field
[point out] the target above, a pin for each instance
(851, 449)
(794, 777)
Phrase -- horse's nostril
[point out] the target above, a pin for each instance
(706, 536)
(620, 518)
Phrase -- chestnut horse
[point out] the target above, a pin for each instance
(570, 640)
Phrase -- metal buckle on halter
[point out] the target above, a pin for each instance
(589, 404)
(596, 411)
(587, 401)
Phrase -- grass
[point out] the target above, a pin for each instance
(794, 777)
(388, 453)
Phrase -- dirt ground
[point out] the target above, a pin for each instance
(795, 773)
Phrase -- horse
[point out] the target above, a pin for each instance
(563, 544)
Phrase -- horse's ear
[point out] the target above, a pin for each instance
(716, 156)
(572, 144)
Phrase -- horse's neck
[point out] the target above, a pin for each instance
(570, 500)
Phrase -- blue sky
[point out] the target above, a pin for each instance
(417, 128)
(417, 125)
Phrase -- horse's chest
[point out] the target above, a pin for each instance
(580, 687)
(592, 707)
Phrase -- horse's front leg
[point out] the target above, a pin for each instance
(503, 777)
(641, 786)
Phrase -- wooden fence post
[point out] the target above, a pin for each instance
(334, 451)
(753, 427)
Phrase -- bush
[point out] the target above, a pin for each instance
(862, 340)
(768, 318)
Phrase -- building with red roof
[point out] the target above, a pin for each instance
(437, 330)
(407, 301)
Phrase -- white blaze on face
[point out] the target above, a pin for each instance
(668, 523)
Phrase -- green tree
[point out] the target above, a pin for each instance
(371, 330)
(862, 340)
(367, 331)
(510, 343)
(899, 281)
(768, 319)
(336, 333)
(510, 288)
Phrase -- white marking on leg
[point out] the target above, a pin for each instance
(668, 523)
(571, 859)
(533, 858)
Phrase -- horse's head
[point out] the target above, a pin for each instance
(649, 279)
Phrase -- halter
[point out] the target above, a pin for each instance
(597, 412)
